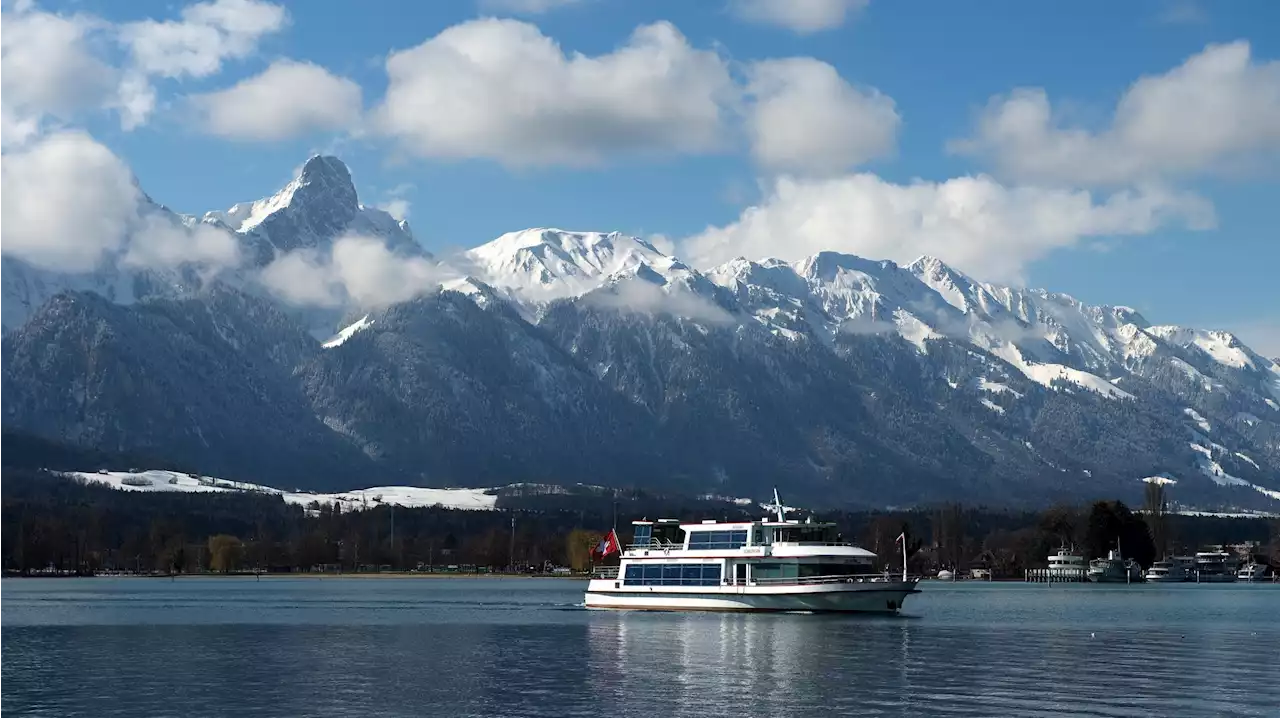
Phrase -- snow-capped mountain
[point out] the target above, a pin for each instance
(310, 212)
(552, 355)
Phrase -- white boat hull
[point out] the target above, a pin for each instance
(868, 597)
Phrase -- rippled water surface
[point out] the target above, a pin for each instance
(524, 647)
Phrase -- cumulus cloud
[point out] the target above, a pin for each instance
(207, 34)
(359, 271)
(67, 202)
(804, 117)
(526, 7)
(1219, 109)
(500, 89)
(70, 204)
(287, 99)
(637, 296)
(975, 223)
(49, 70)
(160, 242)
(801, 16)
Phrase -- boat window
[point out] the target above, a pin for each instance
(642, 534)
(717, 540)
(807, 534)
(674, 574)
(668, 534)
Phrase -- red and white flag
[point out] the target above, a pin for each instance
(609, 544)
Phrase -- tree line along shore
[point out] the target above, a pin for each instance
(53, 525)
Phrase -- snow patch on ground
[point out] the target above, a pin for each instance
(985, 384)
(1198, 419)
(1246, 458)
(1046, 374)
(408, 496)
(992, 405)
(1161, 479)
(348, 332)
(1211, 468)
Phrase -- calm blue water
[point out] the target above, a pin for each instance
(524, 647)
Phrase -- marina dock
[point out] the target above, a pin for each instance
(1058, 575)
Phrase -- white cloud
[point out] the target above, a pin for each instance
(397, 208)
(48, 71)
(637, 296)
(287, 99)
(195, 46)
(207, 34)
(71, 205)
(974, 223)
(805, 118)
(526, 7)
(801, 16)
(159, 242)
(500, 89)
(67, 201)
(1219, 109)
(358, 271)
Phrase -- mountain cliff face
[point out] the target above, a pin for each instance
(208, 380)
(565, 357)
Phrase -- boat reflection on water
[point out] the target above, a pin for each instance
(747, 664)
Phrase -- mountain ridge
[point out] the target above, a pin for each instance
(855, 378)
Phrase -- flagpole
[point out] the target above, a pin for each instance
(903, 538)
(904, 559)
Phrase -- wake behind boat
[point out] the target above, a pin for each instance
(765, 565)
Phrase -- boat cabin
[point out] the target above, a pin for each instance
(666, 552)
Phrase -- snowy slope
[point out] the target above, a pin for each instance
(409, 496)
(542, 264)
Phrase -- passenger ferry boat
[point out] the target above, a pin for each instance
(1114, 569)
(765, 565)
(1066, 564)
(1171, 570)
(1215, 567)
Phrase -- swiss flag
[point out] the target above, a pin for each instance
(609, 544)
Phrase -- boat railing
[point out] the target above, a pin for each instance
(656, 545)
(812, 543)
(609, 572)
(841, 578)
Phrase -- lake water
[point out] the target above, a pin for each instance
(524, 647)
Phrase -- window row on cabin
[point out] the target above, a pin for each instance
(706, 540)
(673, 574)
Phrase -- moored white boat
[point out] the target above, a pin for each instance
(1252, 571)
(765, 565)
(1174, 570)
(1215, 567)
(1114, 569)
(1066, 564)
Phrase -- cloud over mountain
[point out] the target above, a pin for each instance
(1218, 110)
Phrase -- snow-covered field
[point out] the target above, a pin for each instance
(473, 499)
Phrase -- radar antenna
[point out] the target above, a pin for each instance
(778, 506)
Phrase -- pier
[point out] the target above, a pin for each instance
(1060, 575)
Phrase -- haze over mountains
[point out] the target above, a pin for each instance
(336, 353)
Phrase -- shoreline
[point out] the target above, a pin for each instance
(321, 575)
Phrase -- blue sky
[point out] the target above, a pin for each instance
(1177, 220)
